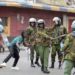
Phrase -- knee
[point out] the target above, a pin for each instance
(17, 57)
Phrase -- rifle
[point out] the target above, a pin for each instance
(51, 38)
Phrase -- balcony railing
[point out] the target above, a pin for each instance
(49, 2)
(52, 2)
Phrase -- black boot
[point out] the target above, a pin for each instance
(37, 63)
(46, 70)
(52, 65)
(32, 64)
(42, 68)
(59, 64)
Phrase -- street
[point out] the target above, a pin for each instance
(24, 65)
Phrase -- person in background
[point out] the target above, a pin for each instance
(69, 51)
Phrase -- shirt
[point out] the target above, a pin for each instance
(17, 39)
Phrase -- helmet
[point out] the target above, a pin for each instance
(32, 20)
(40, 21)
(57, 20)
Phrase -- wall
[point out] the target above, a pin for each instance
(18, 14)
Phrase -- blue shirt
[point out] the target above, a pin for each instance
(17, 39)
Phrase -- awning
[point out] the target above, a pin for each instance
(39, 6)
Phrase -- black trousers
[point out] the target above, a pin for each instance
(14, 52)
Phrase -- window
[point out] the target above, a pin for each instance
(4, 21)
(6, 24)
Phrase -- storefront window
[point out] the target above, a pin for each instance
(6, 24)
(4, 21)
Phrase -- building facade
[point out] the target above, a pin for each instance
(15, 14)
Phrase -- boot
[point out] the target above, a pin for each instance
(37, 63)
(59, 64)
(42, 68)
(52, 65)
(46, 70)
(32, 64)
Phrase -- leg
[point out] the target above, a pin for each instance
(60, 56)
(5, 61)
(32, 56)
(16, 57)
(53, 54)
(7, 58)
(37, 56)
(68, 67)
(41, 57)
(0, 49)
(46, 58)
(3, 49)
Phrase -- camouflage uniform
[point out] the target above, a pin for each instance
(31, 40)
(57, 31)
(43, 48)
(37, 50)
(69, 54)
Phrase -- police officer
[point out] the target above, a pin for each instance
(43, 46)
(69, 51)
(32, 29)
(41, 28)
(56, 43)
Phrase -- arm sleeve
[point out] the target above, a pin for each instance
(66, 43)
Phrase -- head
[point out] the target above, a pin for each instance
(32, 22)
(25, 34)
(57, 21)
(73, 28)
(41, 23)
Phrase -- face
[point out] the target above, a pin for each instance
(24, 35)
(33, 24)
(56, 23)
(41, 25)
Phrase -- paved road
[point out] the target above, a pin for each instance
(24, 65)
